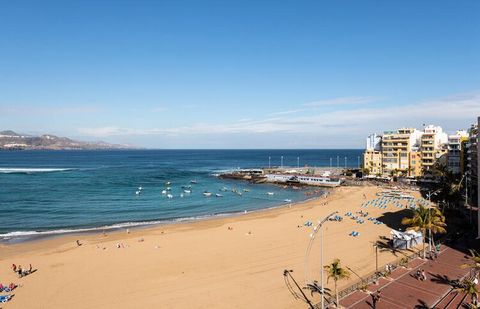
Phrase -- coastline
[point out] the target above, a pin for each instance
(233, 261)
(146, 226)
(18, 237)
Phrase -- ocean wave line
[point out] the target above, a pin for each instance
(27, 234)
(22, 170)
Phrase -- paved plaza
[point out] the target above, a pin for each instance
(403, 290)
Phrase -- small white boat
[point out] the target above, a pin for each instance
(270, 193)
(218, 195)
(224, 189)
(193, 181)
(246, 190)
(164, 192)
(140, 188)
(168, 183)
(186, 187)
(239, 193)
(137, 192)
(187, 191)
(169, 196)
(206, 193)
(287, 200)
(169, 189)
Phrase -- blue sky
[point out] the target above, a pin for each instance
(237, 74)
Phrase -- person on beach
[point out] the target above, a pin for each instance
(78, 243)
(14, 268)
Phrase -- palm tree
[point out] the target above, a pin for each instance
(426, 218)
(336, 272)
(474, 263)
(470, 288)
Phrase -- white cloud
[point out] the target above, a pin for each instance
(348, 126)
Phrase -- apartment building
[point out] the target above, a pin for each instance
(433, 147)
(456, 142)
(397, 148)
(471, 167)
(372, 158)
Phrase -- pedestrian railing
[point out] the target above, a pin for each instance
(372, 277)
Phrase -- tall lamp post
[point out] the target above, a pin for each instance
(375, 245)
(316, 229)
(429, 196)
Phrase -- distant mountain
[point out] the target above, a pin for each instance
(10, 140)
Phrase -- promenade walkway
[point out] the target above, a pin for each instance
(403, 290)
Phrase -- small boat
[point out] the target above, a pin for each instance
(239, 193)
(169, 196)
(193, 181)
(168, 183)
(169, 189)
(187, 191)
(137, 192)
(186, 187)
(270, 193)
(224, 189)
(206, 193)
(287, 200)
(164, 192)
(218, 195)
(246, 190)
(140, 188)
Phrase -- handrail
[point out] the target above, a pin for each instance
(372, 277)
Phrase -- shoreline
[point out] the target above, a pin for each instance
(221, 262)
(154, 225)
(19, 237)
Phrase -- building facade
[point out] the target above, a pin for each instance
(397, 148)
(471, 165)
(456, 142)
(433, 147)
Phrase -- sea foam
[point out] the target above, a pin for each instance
(22, 170)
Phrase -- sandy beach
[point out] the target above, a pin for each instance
(234, 262)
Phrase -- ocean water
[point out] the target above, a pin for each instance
(51, 192)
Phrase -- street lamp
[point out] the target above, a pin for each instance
(316, 229)
(429, 196)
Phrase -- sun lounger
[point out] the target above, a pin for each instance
(5, 298)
